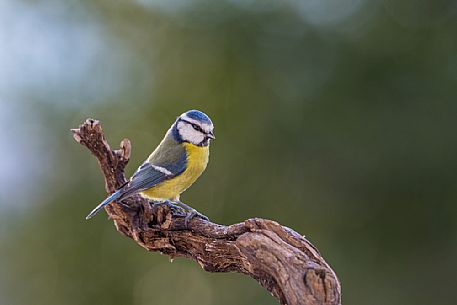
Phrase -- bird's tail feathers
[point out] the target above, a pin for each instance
(108, 200)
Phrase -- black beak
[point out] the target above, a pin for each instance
(211, 135)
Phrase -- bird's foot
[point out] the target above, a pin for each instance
(193, 213)
(173, 207)
(183, 209)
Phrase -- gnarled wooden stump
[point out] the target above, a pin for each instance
(280, 259)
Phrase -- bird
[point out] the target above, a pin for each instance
(178, 161)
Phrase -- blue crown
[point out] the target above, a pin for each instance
(198, 115)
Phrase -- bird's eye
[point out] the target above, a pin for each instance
(196, 127)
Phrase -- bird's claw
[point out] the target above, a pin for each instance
(172, 206)
(192, 214)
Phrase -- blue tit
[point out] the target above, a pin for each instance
(173, 166)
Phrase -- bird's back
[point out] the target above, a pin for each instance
(168, 153)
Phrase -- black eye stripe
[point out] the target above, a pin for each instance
(194, 126)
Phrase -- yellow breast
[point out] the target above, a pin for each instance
(197, 159)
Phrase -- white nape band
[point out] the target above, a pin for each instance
(162, 170)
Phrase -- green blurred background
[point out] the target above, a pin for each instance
(336, 118)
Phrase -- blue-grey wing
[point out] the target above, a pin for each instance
(149, 175)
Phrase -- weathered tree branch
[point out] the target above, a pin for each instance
(280, 259)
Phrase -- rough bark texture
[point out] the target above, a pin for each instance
(280, 259)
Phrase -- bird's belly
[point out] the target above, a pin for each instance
(197, 159)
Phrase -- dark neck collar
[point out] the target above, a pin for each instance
(174, 131)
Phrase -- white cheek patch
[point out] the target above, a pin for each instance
(189, 134)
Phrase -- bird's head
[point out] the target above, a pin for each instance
(194, 127)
